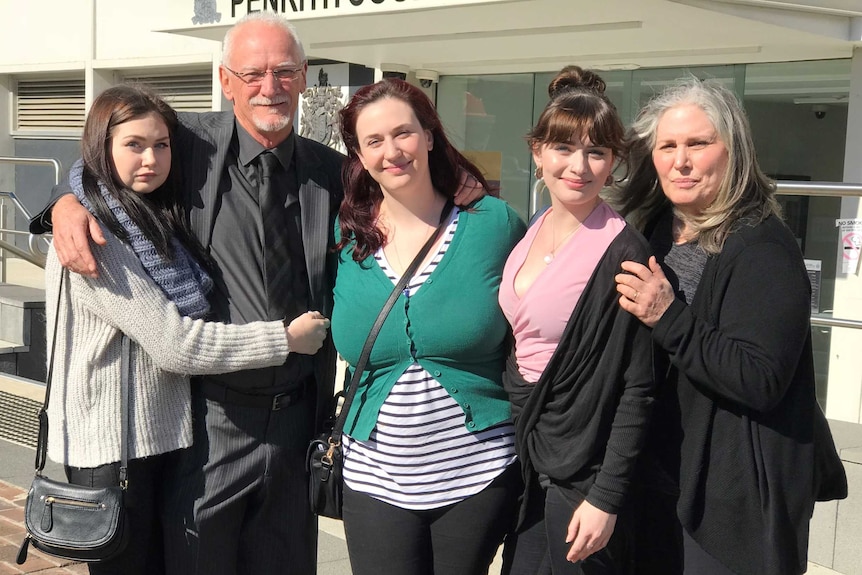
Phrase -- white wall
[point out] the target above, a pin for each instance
(59, 33)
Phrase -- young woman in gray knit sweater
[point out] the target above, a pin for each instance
(152, 286)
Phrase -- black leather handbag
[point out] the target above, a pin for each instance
(73, 521)
(324, 458)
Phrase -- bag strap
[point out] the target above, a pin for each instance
(42, 441)
(335, 436)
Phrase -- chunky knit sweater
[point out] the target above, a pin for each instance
(84, 408)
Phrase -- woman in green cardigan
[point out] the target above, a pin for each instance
(429, 449)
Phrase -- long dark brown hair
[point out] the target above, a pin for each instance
(159, 214)
(362, 195)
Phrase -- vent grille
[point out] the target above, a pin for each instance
(185, 92)
(19, 419)
(46, 105)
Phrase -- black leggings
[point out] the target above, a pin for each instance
(144, 502)
(459, 539)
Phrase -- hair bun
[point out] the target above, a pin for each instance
(576, 78)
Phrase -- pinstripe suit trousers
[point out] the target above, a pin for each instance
(239, 503)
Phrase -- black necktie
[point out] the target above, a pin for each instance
(276, 257)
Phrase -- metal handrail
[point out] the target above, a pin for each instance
(35, 162)
(829, 189)
(35, 259)
(830, 322)
(36, 255)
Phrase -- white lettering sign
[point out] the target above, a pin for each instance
(221, 12)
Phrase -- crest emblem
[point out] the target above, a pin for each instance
(205, 12)
(321, 105)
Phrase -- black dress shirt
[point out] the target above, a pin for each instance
(240, 294)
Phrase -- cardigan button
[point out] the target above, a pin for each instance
(454, 390)
(437, 373)
(471, 424)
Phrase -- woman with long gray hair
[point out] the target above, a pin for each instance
(728, 298)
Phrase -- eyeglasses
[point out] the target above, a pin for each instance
(255, 77)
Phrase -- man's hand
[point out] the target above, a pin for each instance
(306, 333)
(589, 531)
(74, 227)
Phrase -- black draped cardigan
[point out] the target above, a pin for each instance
(584, 422)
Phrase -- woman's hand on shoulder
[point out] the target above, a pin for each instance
(589, 531)
(469, 190)
(644, 291)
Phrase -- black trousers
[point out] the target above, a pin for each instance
(526, 551)
(459, 539)
(145, 510)
(658, 533)
(540, 547)
(239, 498)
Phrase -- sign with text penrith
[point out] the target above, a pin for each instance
(211, 11)
(288, 7)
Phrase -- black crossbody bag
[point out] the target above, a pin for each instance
(325, 459)
(73, 521)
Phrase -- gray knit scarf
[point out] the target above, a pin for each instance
(183, 280)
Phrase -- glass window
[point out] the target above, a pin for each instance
(649, 83)
(798, 115)
(487, 117)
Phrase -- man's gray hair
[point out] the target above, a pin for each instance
(267, 17)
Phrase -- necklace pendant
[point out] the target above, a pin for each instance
(548, 259)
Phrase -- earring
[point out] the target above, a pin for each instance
(609, 181)
(538, 172)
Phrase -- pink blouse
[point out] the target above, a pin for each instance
(540, 316)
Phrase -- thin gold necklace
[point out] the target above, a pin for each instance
(549, 257)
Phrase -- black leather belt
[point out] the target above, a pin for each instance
(224, 394)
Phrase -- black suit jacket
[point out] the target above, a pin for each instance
(202, 144)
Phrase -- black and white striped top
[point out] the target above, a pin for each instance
(420, 454)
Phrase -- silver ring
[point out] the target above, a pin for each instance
(637, 293)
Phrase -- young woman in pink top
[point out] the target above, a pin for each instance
(580, 377)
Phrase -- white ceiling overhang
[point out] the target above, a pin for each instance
(833, 19)
(506, 36)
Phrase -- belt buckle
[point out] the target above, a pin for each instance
(276, 401)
